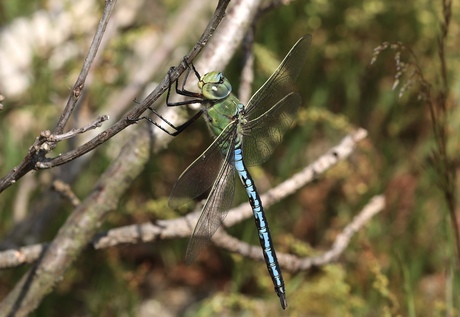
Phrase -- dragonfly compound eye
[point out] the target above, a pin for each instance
(215, 86)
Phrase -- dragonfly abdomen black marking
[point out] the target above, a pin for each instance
(261, 224)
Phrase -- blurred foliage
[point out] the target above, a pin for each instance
(401, 264)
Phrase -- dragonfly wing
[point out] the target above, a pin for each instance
(201, 174)
(263, 134)
(214, 168)
(214, 211)
(281, 82)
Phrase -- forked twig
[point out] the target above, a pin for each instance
(83, 223)
(37, 153)
(294, 263)
(183, 227)
(49, 137)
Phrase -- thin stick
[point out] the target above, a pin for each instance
(36, 159)
(38, 150)
(295, 264)
(183, 227)
(64, 136)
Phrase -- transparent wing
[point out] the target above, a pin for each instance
(215, 209)
(201, 174)
(281, 81)
(214, 168)
(263, 134)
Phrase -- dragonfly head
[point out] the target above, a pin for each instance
(214, 86)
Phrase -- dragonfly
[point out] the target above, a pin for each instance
(244, 136)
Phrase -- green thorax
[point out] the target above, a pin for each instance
(223, 105)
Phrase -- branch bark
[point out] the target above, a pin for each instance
(77, 232)
(294, 263)
(39, 149)
(183, 227)
(54, 259)
(36, 157)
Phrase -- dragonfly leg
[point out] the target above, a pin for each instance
(198, 98)
(178, 129)
(182, 91)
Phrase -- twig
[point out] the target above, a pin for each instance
(183, 227)
(80, 83)
(37, 160)
(77, 231)
(247, 74)
(219, 50)
(191, 16)
(295, 264)
(300, 179)
(149, 100)
(38, 151)
(84, 221)
(224, 43)
(66, 191)
(149, 232)
(375, 205)
(46, 135)
(17, 257)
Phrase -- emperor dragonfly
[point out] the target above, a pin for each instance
(244, 136)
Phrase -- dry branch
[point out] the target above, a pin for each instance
(183, 227)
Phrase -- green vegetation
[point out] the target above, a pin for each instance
(404, 262)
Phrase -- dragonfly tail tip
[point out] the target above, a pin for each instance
(283, 301)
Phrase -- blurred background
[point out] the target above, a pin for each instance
(403, 263)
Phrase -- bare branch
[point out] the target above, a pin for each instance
(37, 152)
(375, 205)
(149, 232)
(17, 257)
(148, 101)
(223, 45)
(183, 227)
(35, 158)
(300, 179)
(247, 74)
(149, 66)
(80, 83)
(218, 52)
(60, 137)
(66, 191)
(295, 264)
(81, 226)
(77, 231)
